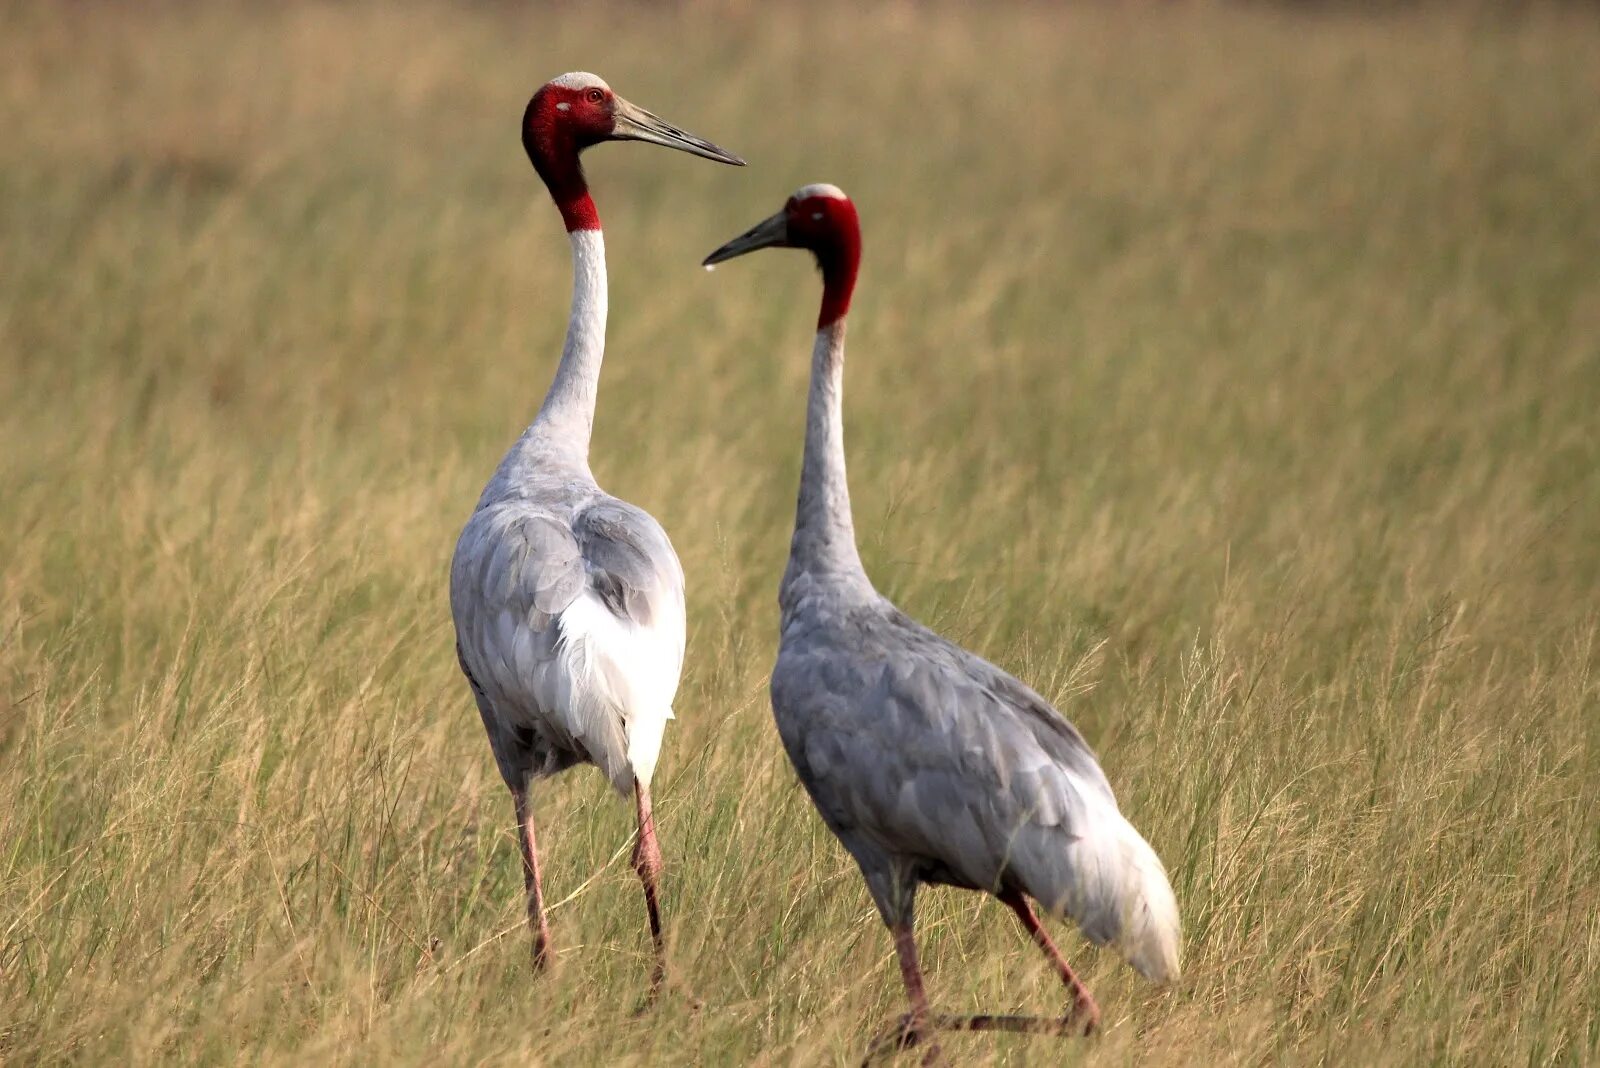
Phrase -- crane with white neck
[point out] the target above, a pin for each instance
(568, 603)
(931, 765)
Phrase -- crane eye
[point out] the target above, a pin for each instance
(595, 96)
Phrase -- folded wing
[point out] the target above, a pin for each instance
(927, 756)
(573, 632)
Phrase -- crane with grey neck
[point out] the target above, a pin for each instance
(931, 765)
(568, 603)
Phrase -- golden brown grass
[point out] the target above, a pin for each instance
(1232, 375)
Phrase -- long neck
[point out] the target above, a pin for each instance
(566, 420)
(824, 544)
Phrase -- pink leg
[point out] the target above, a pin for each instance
(915, 1026)
(913, 1023)
(537, 924)
(1083, 1007)
(905, 947)
(647, 862)
(912, 1028)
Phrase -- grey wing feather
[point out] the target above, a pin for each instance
(934, 755)
(630, 562)
(573, 631)
(1004, 698)
(515, 571)
(1050, 729)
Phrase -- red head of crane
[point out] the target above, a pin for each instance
(579, 110)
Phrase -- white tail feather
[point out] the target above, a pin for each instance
(1112, 884)
(615, 669)
(1151, 935)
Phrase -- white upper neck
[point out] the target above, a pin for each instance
(824, 543)
(566, 419)
(556, 445)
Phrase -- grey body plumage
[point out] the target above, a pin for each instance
(929, 763)
(521, 564)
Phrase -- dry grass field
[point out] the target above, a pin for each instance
(1231, 374)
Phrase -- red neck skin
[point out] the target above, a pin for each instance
(553, 150)
(838, 250)
(838, 285)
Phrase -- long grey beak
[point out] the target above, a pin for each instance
(768, 233)
(634, 123)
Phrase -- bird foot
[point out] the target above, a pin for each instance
(652, 997)
(1083, 1018)
(690, 1002)
(907, 1032)
(910, 1031)
(658, 979)
(542, 956)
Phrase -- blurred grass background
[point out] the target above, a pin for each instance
(1231, 374)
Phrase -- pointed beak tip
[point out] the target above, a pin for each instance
(770, 233)
(722, 155)
(634, 123)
